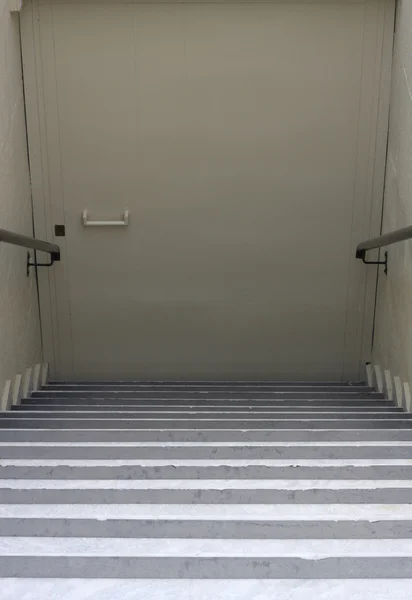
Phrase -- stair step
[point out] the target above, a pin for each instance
(205, 558)
(23, 422)
(202, 415)
(207, 469)
(206, 529)
(206, 403)
(204, 452)
(155, 435)
(230, 491)
(206, 408)
(208, 521)
(222, 395)
(206, 389)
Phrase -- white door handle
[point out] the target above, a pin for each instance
(123, 223)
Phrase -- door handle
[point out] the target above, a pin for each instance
(123, 223)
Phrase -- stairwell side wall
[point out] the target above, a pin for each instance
(393, 331)
(20, 345)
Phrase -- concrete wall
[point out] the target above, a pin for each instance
(19, 322)
(393, 338)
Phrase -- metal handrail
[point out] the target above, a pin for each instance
(9, 237)
(387, 239)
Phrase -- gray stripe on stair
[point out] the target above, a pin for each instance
(228, 388)
(152, 403)
(256, 529)
(211, 436)
(207, 568)
(206, 472)
(206, 424)
(207, 496)
(204, 452)
(205, 408)
(218, 395)
(251, 413)
(205, 491)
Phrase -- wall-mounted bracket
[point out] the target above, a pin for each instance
(30, 264)
(362, 255)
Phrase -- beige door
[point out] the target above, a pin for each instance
(242, 138)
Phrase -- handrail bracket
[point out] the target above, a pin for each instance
(24, 241)
(362, 255)
(54, 256)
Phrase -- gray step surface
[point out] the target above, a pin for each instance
(214, 495)
(225, 389)
(207, 568)
(206, 408)
(204, 436)
(234, 529)
(281, 403)
(204, 452)
(36, 469)
(210, 414)
(211, 394)
(22, 422)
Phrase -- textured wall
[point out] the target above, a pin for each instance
(19, 323)
(393, 340)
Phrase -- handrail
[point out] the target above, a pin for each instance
(9, 237)
(387, 239)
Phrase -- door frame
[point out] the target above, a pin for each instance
(46, 176)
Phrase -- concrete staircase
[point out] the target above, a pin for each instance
(162, 490)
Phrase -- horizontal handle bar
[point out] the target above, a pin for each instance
(123, 223)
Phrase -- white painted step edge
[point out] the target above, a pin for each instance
(214, 512)
(204, 484)
(205, 589)
(202, 548)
